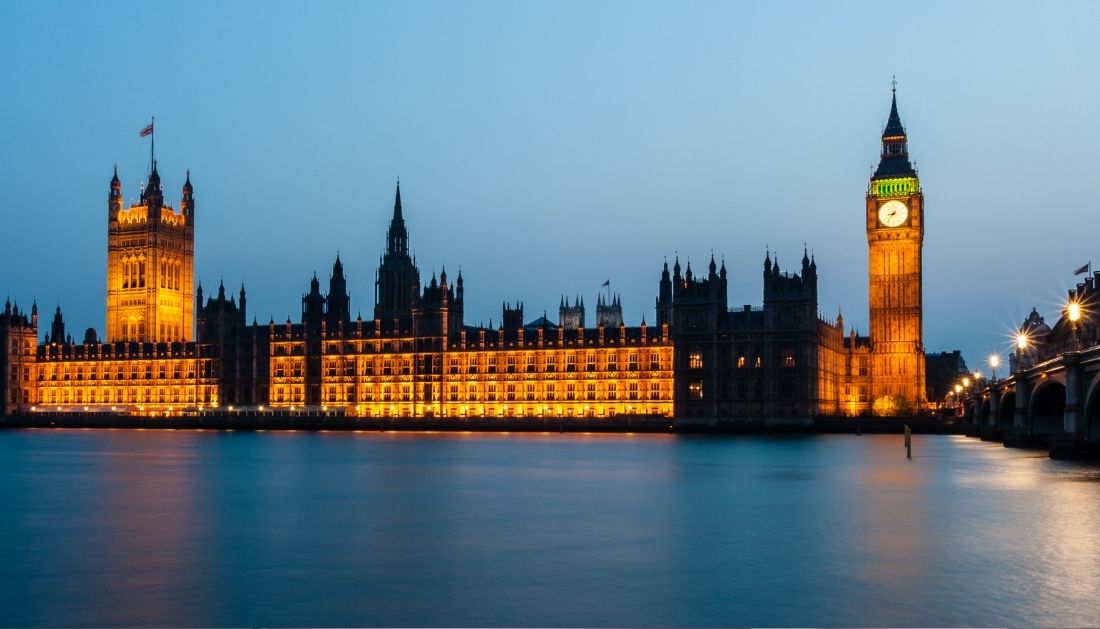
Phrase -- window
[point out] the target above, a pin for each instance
(787, 359)
(695, 360)
(695, 389)
(740, 362)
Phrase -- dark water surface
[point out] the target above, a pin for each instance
(220, 528)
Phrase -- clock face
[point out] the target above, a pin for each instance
(893, 213)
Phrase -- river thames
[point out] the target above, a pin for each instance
(190, 528)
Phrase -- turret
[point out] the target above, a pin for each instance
(339, 303)
(153, 196)
(243, 317)
(114, 197)
(57, 328)
(187, 202)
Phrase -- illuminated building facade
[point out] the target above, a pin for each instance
(18, 340)
(150, 265)
(416, 358)
(895, 237)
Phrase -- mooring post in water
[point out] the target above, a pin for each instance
(908, 442)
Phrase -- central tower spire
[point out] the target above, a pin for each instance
(398, 279)
(397, 238)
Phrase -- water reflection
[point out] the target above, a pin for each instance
(187, 528)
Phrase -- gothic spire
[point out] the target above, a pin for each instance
(894, 161)
(893, 124)
(397, 239)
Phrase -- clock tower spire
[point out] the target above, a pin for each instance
(895, 237)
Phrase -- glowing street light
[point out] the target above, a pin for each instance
(1074, 312)
(965, 382)
(1021, 341)
(994, 360)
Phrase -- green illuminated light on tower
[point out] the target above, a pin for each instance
(895, 187)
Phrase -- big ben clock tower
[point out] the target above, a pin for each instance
(895, 235)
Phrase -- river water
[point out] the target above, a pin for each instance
(201, 528)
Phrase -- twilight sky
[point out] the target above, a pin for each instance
(546, 147)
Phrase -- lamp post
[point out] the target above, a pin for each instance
(958, 397)
(1074, 310)
(994, 360)
(1021, 348)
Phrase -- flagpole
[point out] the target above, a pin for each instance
(152, 142)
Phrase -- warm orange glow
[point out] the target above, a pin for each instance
(97, 378)
(383, 377)
(1021, 341)
(994, 360)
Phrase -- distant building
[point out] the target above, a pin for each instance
(944, 371)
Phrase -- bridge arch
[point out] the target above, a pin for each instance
(1048, 406)
(1006, 413)
(1092, 410)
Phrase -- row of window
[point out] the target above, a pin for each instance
(129, 395)
(126, 372)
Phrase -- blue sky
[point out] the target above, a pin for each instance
(546, 147)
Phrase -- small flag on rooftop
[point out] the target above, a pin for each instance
(607, 283)
(147, 131)
(1084, 269)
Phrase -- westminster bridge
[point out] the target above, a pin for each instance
(1052, 403)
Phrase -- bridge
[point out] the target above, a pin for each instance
(1051, 398)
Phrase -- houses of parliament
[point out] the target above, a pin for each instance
(169, 347)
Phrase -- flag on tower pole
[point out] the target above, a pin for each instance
(147, 131)
(1084, 268)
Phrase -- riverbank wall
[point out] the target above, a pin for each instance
(619, 424)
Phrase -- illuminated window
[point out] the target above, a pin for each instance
(695, 389)
(591, 391)
(591, 361)
(787, 358)
(740, 362)
(695, 360)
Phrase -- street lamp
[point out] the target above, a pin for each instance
(994, 360)
(1074, 310)
(1021, 341)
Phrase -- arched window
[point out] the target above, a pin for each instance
(141, 272)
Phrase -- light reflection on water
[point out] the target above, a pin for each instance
(188, 528)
